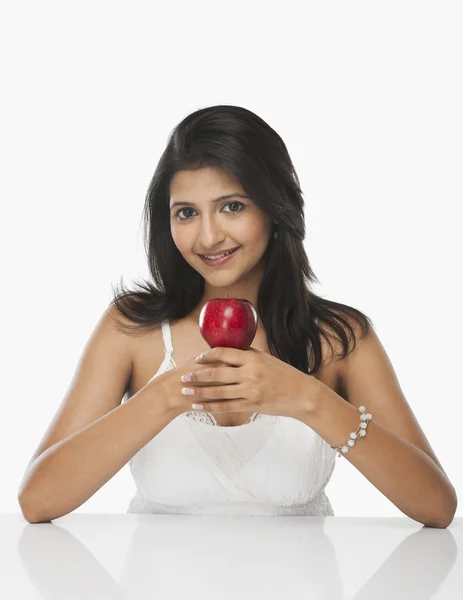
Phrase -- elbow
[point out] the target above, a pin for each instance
(35, 511)
(441, 523)
(29, 510)
(448, 513)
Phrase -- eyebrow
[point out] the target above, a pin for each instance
(219, 199)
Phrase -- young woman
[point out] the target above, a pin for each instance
(252, 431)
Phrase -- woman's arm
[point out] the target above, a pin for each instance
(394, 455)
(402, 472)
(92, 435)
(68, 473)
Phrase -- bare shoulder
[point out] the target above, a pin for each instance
(147, 351)
(114, 326)
(334, 364)
(358, 338)
(329, 371)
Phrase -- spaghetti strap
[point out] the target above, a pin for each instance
(166, 334)
(168, 348)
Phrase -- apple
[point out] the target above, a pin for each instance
(228, 322)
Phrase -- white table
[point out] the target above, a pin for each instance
(100, 556)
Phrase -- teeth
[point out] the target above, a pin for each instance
(217, 256)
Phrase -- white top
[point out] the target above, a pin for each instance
(270, 465)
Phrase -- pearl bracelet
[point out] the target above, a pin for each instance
(361, 430)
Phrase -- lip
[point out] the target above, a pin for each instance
(220, 261)
(221, 252)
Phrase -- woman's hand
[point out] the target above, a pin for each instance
(249, 381)
(169, 386)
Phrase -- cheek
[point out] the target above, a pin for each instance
(174, 235)
(250, 230)
(180, 239)
(257, 232)
(185, 243)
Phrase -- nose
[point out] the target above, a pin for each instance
(210, 236)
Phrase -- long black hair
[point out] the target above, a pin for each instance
(242, 144)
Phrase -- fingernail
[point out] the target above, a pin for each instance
(186, 378)
(188, 391)
(197, 406)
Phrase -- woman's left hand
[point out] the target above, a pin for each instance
(250, 380)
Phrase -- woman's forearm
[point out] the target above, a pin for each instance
(68, 473)
(403, 473)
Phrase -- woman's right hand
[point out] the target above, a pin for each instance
(171, 385)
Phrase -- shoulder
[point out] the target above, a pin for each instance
(339, 339)
(142, 340)
(363, 346)
(329, 371)
(113, 320)
(147, 350)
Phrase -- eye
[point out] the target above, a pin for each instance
(240, 204)
(179, 211)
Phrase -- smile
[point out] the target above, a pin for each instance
(221, 258)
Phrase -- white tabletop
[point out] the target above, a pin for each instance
(98, 556)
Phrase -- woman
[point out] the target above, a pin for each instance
(252, 431)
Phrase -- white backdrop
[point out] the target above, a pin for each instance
(367, 97)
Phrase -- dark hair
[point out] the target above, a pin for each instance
(242, 144)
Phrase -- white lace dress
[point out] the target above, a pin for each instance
(270, 465)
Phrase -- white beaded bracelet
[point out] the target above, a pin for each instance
(361, 431)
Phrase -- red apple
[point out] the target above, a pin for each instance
(228, 322)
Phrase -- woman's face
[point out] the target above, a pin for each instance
(201, 226)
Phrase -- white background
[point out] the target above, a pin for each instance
(367, 97)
